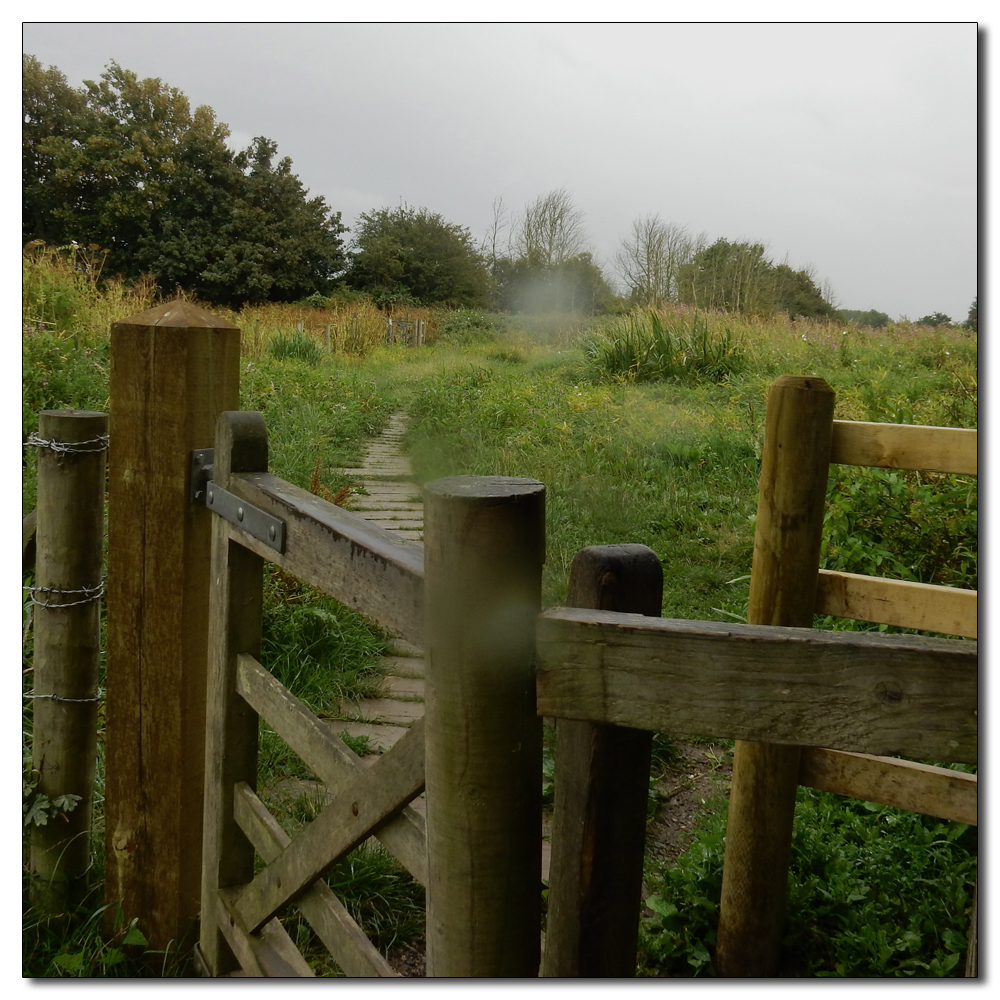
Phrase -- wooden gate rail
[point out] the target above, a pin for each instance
(328, 757)
(339, 552)
(364, 567)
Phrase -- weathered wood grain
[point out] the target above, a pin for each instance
(921, 606)
(328, 758)
(344, 939)
(890, 781)
(905, 446)
(484, 539)
(360, 564)
(790, 502)
(269, 954)
(173, 370)
(67, 650)
(859, 691)
(361, 808)
(235, 619)
(601, 796)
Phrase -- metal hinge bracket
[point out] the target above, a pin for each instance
(252, 520)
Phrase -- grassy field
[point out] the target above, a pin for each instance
(644, 429)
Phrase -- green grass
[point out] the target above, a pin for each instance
(629, 452)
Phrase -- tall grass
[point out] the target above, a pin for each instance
(650, 348)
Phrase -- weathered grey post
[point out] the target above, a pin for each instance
(70, 542)
(601, 792)
(793, 479)
(174, 369)
(483, 553)
(236, 610)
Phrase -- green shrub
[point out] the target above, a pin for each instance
(858, 903)
(298, 345)
(907, 525)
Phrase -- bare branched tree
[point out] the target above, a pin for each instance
(551, 230)
(650, 257)
(495, 244)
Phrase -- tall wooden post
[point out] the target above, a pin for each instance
(601, 794)
(483, 553)
(70, 544)
(793, 481)
(174, 369)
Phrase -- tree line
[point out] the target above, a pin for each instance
(125, 165)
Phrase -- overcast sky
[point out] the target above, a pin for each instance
(847, 148)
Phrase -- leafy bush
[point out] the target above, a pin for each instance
(298, 345)
(673, 351)
(467, 328)
(858, 903)
(907, 525)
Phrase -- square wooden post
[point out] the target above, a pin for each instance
(174, 369)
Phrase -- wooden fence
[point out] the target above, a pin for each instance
(191, 533)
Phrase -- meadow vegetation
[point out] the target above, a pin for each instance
(645, 427)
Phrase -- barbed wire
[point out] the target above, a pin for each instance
(59, 697)
(91, 445)
(90, 594)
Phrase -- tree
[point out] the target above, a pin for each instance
(413, 255)
(972, 322)
(550, 231)
(797, 294)
(869, 317)
(123, 163)
(729, 277)
(935, 319)
(56, 119)
(649, 259)
(739, 277)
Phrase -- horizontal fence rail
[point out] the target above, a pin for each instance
(889, 781)
(905, 446)
(859, 691)
(923, 606)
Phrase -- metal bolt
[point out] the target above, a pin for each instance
(239, 513)
(211, 496)
(271, 532)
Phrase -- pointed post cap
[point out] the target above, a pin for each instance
(178, 314)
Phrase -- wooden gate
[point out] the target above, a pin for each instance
(487, 573)
(239, 925)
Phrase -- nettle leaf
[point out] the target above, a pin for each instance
(69, 962)
(135, 936)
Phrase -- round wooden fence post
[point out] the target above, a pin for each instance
(174, 369)
(601, 795)
(483, 553)
(793, 482)
(67, 591)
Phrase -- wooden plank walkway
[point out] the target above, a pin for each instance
(394, 502)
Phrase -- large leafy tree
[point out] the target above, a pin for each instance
(125, 163)
(739, 277)
(408, 254)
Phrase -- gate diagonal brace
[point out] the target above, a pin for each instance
(254, 521)
(360, 809)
